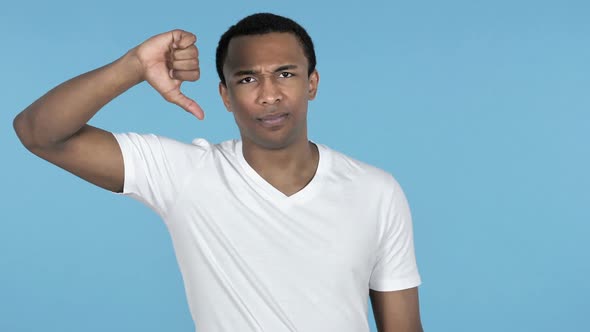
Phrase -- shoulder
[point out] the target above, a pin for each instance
(158, 149)
(149, 140)
(169, 145)
(347, 167)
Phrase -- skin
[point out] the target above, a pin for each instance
(267, 76)
(55, 128)
(397, 311)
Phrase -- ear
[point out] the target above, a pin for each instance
(224, 96)
(314, 81)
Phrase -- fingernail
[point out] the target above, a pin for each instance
(171, 72)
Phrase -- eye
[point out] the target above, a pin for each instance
(247, 80)
(286, 74)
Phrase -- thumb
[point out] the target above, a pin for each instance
(187, 104)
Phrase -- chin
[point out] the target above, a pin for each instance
(271, 143)
(280, 138)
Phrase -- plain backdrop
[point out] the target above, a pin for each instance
(481, 110)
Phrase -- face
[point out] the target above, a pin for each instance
(268, 89)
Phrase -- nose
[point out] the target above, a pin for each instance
(269, 92)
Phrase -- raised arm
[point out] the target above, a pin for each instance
(55, 126)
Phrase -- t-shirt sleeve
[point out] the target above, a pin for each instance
(155, 168)
(395, 266)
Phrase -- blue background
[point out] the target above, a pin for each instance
(481, 110)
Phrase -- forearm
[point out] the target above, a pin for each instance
(64, 110)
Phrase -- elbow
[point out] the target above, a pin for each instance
(24, 129)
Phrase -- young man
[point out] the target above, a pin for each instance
(272, 232)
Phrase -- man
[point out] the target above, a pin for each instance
(272, 232)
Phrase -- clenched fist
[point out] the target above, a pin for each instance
(167, 60)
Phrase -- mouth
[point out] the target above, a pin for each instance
(273, 120)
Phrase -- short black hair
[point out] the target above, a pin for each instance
(260, 24)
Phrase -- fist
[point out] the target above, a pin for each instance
(167, 60)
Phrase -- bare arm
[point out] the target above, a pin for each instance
(54, 127)
(396, 311)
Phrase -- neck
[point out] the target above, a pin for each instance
(288, 169)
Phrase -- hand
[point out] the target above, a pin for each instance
(167, 60)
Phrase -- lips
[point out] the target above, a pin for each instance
(273, 120)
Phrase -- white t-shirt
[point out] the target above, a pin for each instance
(254, 259)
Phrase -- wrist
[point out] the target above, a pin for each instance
(130, 68)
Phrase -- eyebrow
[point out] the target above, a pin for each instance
(254, 72)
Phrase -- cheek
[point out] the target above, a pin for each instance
(243, 122)
(301, 92)
(240, 100)
(242, 109)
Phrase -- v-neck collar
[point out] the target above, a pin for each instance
(276, 195)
